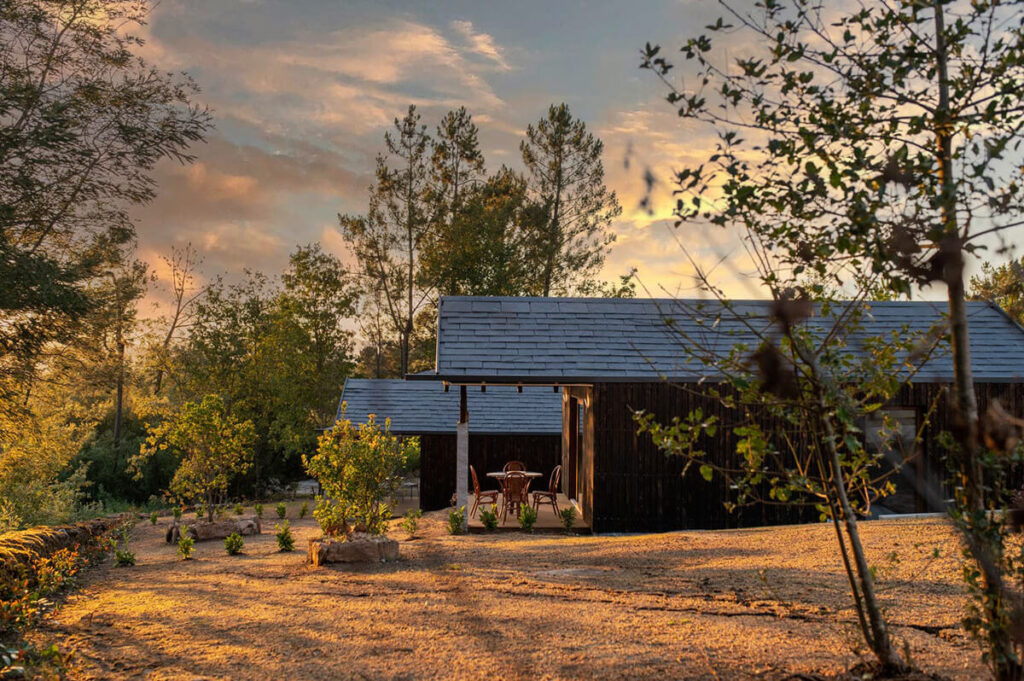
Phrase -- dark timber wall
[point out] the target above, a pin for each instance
(486, 453)
(636, 488)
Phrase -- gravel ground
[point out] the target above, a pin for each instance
(759, 603)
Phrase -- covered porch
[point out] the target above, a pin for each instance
(547, 521)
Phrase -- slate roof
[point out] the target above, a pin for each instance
(419, 408)
(587, 340)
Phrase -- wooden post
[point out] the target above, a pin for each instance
(462, 456)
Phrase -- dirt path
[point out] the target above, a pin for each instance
(702, 605)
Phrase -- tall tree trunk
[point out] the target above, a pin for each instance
(1006, 666)
(555, 242)
(119, 399)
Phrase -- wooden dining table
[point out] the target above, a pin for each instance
(501, 475)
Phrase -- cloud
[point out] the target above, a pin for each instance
(651, 139)
(482, 44)
(243, 206)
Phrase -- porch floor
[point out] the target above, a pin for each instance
(546, 518)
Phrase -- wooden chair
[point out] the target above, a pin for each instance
(514, 466)
(490, 496)
(551, 495)
(515, 491)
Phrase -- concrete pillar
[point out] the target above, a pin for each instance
(462, 457)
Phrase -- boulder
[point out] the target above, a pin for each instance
(219, 529)
(357, 548)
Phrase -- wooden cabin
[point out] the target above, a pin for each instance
(611, 357)
(508, 424)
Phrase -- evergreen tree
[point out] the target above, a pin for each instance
(387, 241)
(565, 176)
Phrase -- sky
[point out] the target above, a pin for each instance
(302, 92)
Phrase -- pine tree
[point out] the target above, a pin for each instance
(565, 177)
(388, 240)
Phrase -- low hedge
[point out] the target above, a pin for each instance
(20, 550)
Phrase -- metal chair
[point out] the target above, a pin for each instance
(514, 466)
(515, 491)
(490, 496)
(551, 495)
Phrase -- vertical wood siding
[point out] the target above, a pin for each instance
(639, 489)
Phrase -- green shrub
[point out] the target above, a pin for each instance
(527, 518)
(489, 517)
(186, 544)
(233, 544)
(152, 517)
(304, 511)
(177, 512)
(283, 534)
(282, 510)
(239, 510)
(359, 470)
(568, 516)
(124, 558)
(200, 512)
(330, 517)
(456, 520)
(409, 521)
(222, 512)
(259, 510)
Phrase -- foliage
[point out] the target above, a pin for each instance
(1003, 285)
(438, 224)
(124, 558)
(319, 295)
(303, 510)
(259, 510)
(153, 517)
(568, 517)
(331, 518)
(283, 534)
(177, 512)
(39, 484)
(565, 176)
(457, 520)
(186, 544)
(863, 147)
(387, 240)
(484, 247)
(489, 517)
(276, 353)
(409, 521)
(233, 544)
(72, 164)
(25, 592)
(360, 469)
(214, 447)
(282, 509)
(239, 510)
(200, 510)
(242, 346)
(527, 517)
